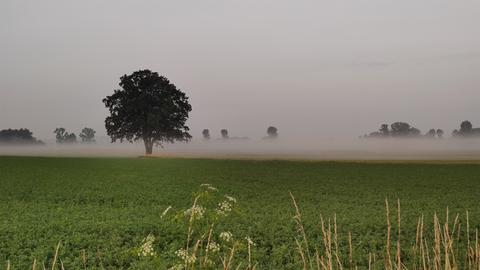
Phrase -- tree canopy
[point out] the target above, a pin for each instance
(272, 132)
(466, 130)
(401, 130)
(18, 136)
(87, 135)
(206, 134)
(148, 107)
(63, 136)
(224, 133)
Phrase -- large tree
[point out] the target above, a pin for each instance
(148, 107)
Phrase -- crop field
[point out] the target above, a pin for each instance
(109, 213)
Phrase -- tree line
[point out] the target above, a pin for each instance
(63, 137)
(18, 137)
(405, 130)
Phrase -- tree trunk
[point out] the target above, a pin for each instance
(148, 146)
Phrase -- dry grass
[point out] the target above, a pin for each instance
(443, 252)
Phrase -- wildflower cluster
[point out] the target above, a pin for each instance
(185, 256)
(196, 212)
(226, 236)
(213, 247)
(204, 247)
(224, 208)
(146, 249)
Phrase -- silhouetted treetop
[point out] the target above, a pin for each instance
(466, 127)
(466, 130)
(397, 129)
(147, 107)
(18, 137)
(87, 135)
(224, 133)
(384, 130)
(62, 136)
(272, 132)
(440, 133)
(206, 134)
(431, 133)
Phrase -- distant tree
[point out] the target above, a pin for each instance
(60, 134)
(440, 133)
(206, 134)
(455, 133)
(400, 129)
(87, 135)
(224, 133)
(71, 138)
(431, 133)
(397, 129)
(466, 128)
(414, 132)
(384, 130)
(147, 107)
(272, 132)
(18, 136)
(63, 136)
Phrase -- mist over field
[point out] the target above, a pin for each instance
(281, 148)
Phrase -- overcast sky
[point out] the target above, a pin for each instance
(311, 68)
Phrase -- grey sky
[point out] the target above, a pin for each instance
(311, 68)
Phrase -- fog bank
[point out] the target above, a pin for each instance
(281, 148)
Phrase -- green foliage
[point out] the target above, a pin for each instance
(108, 207)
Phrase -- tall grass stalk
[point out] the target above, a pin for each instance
(445, 246)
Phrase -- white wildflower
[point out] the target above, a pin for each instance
(249, 241)
(195, 211)
(226, 236)
(224, 208)
(205, 185)
(213, 247)
(146, 249)
(231, 199)
(187, 258)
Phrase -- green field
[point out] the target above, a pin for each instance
(106, 206)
